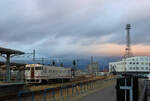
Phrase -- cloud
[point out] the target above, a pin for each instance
(56, 27)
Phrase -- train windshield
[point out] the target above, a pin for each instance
(27, 68)
(38, 68)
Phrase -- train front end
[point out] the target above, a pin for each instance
(33, 73)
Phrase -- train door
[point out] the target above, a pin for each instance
(32, 73)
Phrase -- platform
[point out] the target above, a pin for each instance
(10, 89)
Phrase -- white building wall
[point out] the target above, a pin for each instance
(133, 64)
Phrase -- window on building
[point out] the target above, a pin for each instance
(130, 62)
(130, 68)
(133, 68)
(137, 68)
(146, 68)
(133, 62)
(146, 63)
(137, 63)
(142, 63)
(142, 68)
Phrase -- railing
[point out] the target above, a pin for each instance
(65, 93)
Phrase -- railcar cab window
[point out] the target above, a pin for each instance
(27, 68)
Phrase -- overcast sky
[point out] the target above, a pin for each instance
(75, 27)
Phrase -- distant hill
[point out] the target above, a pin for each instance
(82, 63)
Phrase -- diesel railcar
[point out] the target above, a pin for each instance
(37, 73)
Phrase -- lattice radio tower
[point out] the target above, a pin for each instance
(128, 52)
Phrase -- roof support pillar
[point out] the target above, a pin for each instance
(8, 71)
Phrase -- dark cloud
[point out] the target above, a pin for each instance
(64, 26)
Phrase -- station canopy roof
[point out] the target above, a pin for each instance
(12, 64)
(10, 51)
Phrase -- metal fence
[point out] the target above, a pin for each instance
(65, 93)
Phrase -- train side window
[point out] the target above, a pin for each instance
(38, 68)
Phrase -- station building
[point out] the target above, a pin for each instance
(132, 64)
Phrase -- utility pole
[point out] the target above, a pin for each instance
(91, 59)
(92, 65)
(34, 55)
(42, 61)
(74, 66)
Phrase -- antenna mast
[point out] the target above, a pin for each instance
(128, 43)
